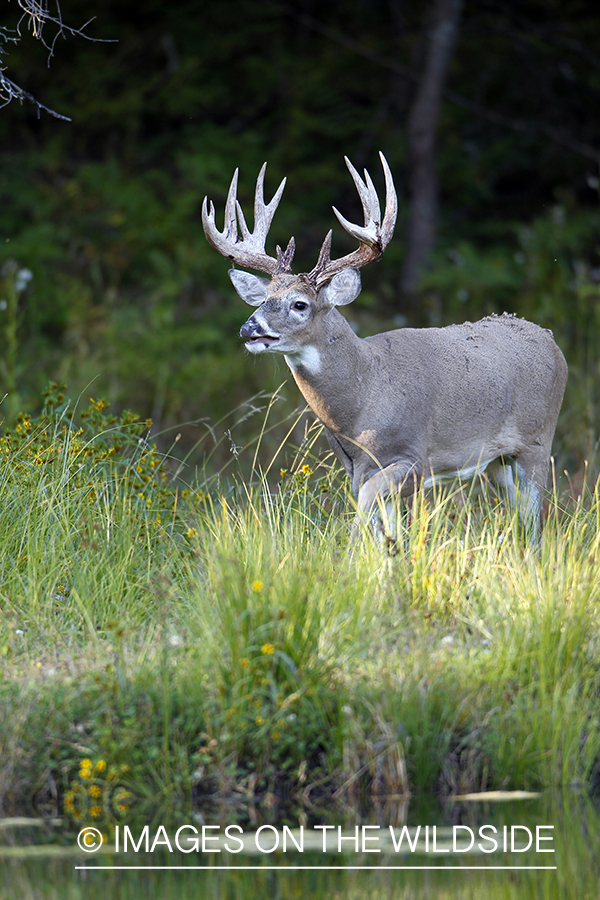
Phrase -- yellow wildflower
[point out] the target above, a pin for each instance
(94, 791)
(267, 649)
(95, 811)
(257, 586)
(100, 765)
(259, 720)
(306, 470)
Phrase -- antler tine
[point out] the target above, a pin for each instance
(264, 213)
(367, 234)
(249, 250)
(230, 231)
(374, 235)
(221, 240)
(285, 257)
(391, 205)
(324, 254)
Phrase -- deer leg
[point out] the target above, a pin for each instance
(501, 474)
(520, 481)
(531, 477)
(374, 498)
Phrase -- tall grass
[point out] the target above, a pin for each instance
(192, 643)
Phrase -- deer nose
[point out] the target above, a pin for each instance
(251, 329)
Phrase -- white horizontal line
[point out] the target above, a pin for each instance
(441, 868)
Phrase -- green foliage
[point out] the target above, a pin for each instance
(105, 453)
(13, 281)
(239, 646)
(132, 621)
(105, 213)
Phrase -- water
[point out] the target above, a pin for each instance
(51, 871)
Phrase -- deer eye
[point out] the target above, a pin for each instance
(299, 305)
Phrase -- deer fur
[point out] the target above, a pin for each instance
(405, 407)
(411, 407)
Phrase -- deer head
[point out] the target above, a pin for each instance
(291, 304)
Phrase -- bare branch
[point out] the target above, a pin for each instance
(11, 91)
(36, 14)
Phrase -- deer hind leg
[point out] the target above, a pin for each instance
(522, 481)
(532, 475)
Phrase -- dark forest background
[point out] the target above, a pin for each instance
(488, 112)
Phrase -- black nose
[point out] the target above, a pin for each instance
(250, 329)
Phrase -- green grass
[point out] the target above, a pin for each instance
(169, 646)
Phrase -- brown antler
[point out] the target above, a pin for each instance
(249, 250)
(374, 236)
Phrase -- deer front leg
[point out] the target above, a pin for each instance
(400, 478)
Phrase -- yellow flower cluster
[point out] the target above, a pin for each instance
(97, 792)
(34, 447)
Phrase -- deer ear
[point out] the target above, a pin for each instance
(251, 288)
(343, 288)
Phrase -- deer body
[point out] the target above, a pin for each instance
(408, 407)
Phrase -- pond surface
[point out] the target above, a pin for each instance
(490, 849)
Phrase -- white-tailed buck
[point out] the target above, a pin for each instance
(407, 407)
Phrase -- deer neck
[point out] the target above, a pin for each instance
(328, 373)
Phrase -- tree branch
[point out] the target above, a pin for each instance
(36, 14)
(11, 91)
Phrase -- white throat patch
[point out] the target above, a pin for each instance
(307, 357)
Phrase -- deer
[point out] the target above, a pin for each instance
(405, 409)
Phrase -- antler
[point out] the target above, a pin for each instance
(374, 236)
(249, 250)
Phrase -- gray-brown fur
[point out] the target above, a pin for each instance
(406, 405)
(413, 406)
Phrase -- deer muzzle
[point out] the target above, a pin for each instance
(256, 337)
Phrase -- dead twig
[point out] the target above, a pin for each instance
(36, 15)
